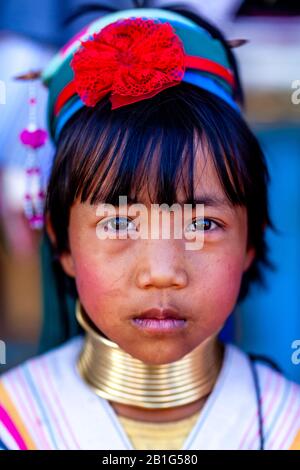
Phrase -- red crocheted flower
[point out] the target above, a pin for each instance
(133, 59)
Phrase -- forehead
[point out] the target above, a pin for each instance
(206, 182)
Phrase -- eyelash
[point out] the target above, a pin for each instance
(218, 224)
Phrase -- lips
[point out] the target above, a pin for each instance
(160, 314)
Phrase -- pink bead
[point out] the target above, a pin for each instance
(36, 221)
(33, 139)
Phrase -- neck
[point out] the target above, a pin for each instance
(146, 392)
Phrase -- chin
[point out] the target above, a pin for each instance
(157, 359)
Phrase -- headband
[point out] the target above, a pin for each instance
(133, 55)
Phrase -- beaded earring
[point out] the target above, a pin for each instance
(33, 138)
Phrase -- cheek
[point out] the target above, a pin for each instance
(220, 285)
(95, 280)
(227, 277)
(91, 285)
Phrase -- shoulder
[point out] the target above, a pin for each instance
(25, 389)
(280, 402)
(281, 408)
(55, 361)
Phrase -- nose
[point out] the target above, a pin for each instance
(161, 265)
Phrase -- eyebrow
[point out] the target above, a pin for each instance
(210, 200)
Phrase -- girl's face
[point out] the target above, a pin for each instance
(118, 279)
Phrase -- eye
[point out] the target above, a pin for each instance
(203, 225)
(117, 225)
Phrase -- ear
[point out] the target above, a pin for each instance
(67, 262)
(250, 255)
(66, 259)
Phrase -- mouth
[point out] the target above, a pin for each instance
(157, 320)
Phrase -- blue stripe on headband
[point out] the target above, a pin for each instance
(211, 85)
(66, 115)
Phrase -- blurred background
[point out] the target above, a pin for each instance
(267, 322)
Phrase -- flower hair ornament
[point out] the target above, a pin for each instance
(129, 55)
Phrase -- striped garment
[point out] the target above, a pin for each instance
(44, 404)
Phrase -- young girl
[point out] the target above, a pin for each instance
(145, 111)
